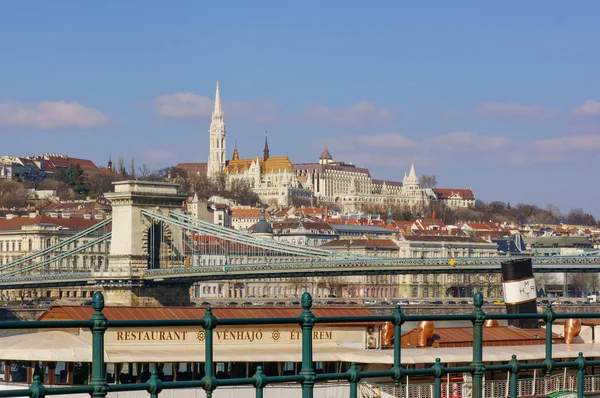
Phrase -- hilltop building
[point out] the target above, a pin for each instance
(347, 187)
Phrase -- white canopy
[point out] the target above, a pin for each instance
(46, 346)
(68, 347)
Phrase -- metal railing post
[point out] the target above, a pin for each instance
(98, 329)
(514, 372)
(210, 382)
(307, 321)
(397, 368)
(580, 373)
(354, 378)
(549, 362)
(154, 385)
(37, 389)
(260, 381)
(478, 319)
(437, 384)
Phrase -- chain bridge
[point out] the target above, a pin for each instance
(150, 250)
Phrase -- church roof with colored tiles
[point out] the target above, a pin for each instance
(272, 164)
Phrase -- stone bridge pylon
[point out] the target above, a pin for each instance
(139, 243)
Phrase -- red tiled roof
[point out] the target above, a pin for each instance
(52, 163)
(439, 238)
(387, 243)
(492, 336)
(247, 213)
(73, 223)
(193, 168)
(445, 193)
(79, 313)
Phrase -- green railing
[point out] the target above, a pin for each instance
(307, 377)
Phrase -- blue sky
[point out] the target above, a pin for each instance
(503, 97)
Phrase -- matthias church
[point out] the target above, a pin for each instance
(276, 180)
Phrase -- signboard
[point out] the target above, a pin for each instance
(229, 336)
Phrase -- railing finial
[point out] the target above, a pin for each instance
(478, 300)
(306, 300)
(37, 389)
(98, 301)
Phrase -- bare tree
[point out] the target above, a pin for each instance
(100, 183)
(544, 281)
(144, 172)
(428, 181)
(132, 168)
(121, 168)
(12, 194)
(201, 185)
(298, 284)
(579, 283)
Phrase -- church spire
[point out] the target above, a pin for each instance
(218, 111)
(217, 130)
(266, 150)
(236, 155)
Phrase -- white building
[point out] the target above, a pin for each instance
(349, 187)
(304, 232)
(215, 213)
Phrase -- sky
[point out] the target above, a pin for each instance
(500, 97)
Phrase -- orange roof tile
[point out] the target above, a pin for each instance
(79, 313)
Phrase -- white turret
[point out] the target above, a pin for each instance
(216, 157)
(411, 181)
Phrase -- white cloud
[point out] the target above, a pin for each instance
(159, 156)
(50, 115)
(515, 110)
(387, 141)
(466, 147)
(576, 143)
(589, 108)
(197, 106)
(183, 105)
(362, 112)
(465, 143)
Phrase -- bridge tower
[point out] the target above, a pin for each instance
(138, 243)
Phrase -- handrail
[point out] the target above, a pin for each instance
(246, 237)
(232, 236)
(307, 377)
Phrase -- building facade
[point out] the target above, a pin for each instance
(348, 187)
(22, 236)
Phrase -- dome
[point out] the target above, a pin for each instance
(262, 227)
